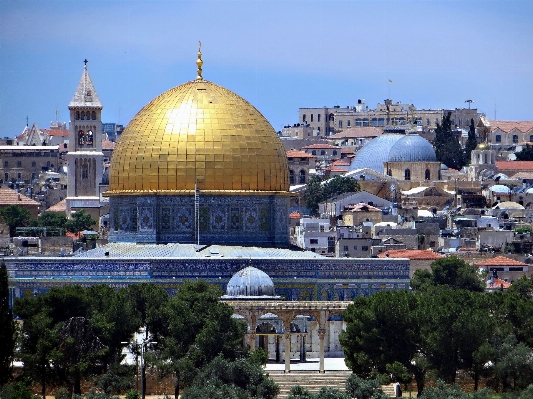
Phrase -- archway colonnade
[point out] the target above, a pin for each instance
(321, 311)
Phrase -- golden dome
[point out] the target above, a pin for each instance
(483, 146)
(198, 133)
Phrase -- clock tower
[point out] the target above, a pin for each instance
(85, 157)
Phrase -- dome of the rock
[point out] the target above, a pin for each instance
(199, 164)
(200, 134)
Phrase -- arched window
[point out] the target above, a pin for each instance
(302, 177)
(93, 115)
(407, 174)
(331, 117)
(89, 138)
(77, 115)
(291, 176)
(318, 118)
(313, 152)
(428, 175)
(348, 123)
(389, 172)
(6, 164)
(84, 171)
(498, 138)
(304, 117)
(515, 138)
(311, 117)
(334, 152)
(82, 115)
(322, 152)
(81, 137)
(340, 124)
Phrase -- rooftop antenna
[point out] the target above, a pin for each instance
(495, 112)
(27, 123)
(469, 102)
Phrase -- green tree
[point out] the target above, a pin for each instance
(8, 331)
(382, 330)
(313, 194)
(15, 216)
(523, 287)
(360, 388)
(513, 366)
(526, 154)
(318, 191)
(52, 219)
(471, 142)
(447, 147)
(59, 341)
(299, 392)
(331, 393)
(455, 323)
(80, 221)
(200, 328)
(239, 379)
(450, 271)
(39, 341)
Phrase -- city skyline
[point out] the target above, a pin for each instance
(278, 55)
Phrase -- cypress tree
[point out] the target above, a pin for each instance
(447, 147)
(7, 329)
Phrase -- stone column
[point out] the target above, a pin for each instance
(287, 339)
(321, 336)
(251, 341)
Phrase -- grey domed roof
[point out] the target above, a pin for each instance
(412, 148)
(375, 152)
(250, 282)
(393, 147)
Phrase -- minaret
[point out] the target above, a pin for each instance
(85, 157)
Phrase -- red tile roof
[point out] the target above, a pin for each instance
(108, 145)
(413, 254)
(334, 168)
(515, 165)
(320, 146)
(358, 132)
(295, 215)
(500, 261)
(498, 283)
(60, 207)
(299, 154)
(507, 126)
(340, 162)
(55, 132)
(11, 197)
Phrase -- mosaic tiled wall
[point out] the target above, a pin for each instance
(294, 279)
(259, 220)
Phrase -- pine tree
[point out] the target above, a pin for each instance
(7, 329)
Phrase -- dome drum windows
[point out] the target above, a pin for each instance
(407, 174)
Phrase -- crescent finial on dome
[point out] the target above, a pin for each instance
(199, 62)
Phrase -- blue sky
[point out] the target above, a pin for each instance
(279, 55)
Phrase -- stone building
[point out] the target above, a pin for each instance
(23, 164)
(301, 165)
(332, 120)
